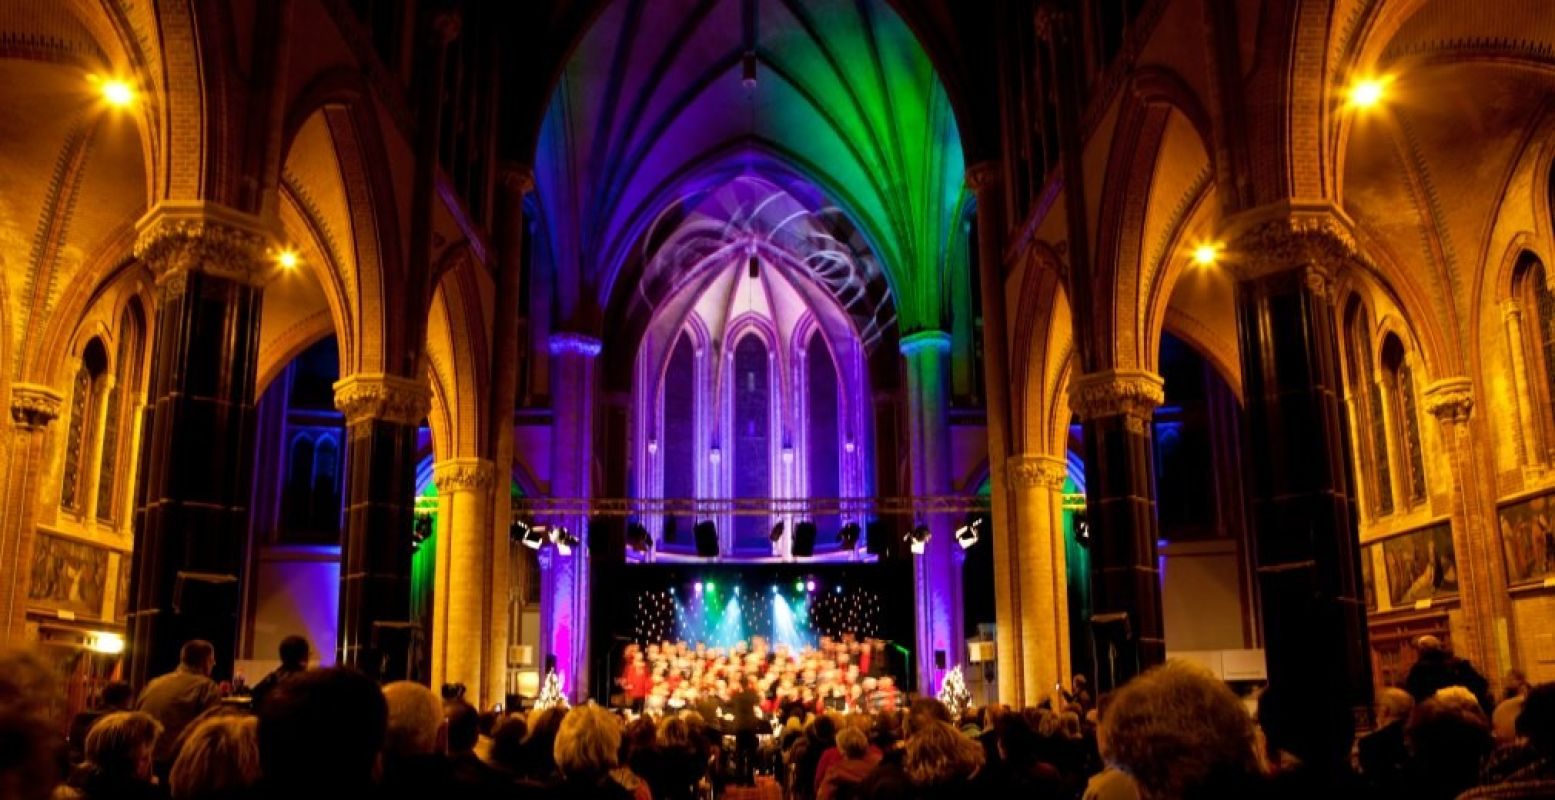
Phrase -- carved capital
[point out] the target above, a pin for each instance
(463, 475)
(1289, 238)
(580, 344)
(516, 178)
(925, 340)
(984, 175)
(1133, 392)
(1031, 472)
(175, 239)
(364, 397)
(1450, 399)
(34, 406)
(1510, 311)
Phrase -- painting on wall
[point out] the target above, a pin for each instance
(1420, 565)
(68, 575)
(1528, 539)
(121, 604)
(1369, 577)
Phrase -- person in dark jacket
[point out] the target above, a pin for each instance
(1382, 753)
(320, 734)
(1437, 668)
(116, 696)
(294, 661)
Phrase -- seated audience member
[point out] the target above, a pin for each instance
(116, 696)
(31, 760)
(294, 652)
(468, 775)
(822, 736)
(414, 765)
(939, 760)
(177, 698)
(1503, 723)
(538, 760)
(834, 754)
(218, 760)
(586, 748)
(320, 734)
(844, 775)
(1181, 733)
(1020, 770)
(1447, 740)
(1535, 778)
(1382, 753)
(1111, 783)
(632, 761)
(676, 766)
(507, 745)
(118, 765)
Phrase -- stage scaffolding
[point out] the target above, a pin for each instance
(856, 508)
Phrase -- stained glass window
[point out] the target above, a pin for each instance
(752, 439)
(75, 435)
(1366, 396)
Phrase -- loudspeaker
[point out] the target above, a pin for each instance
(878, 538)
(607, 539)
(939, 659)
(669, 529)
(550, 663)
(707, 539)
(804, 540)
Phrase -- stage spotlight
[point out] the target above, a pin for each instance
(532, 536)
(849, 535)
(777, 532)
(564, 540)
(918, 538)
(711, 586)
(798, 586)
(809, 586)
(774, 588)
(968, 534)
(638, 538)
(698, 587)
(421, 530)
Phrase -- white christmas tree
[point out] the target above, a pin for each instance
(551, 692)
(953, 692)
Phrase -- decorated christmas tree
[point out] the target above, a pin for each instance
(551, 692)
(953, 692)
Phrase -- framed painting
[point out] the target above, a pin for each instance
(68, 575)
(1420, 565)
(1528, 539)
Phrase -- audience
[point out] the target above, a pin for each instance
(116, 696)
(294, 661)
(1437, 668)
(177, 698)
(1173, 732)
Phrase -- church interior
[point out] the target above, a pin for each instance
(485, 343)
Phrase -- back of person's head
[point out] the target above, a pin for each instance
(31, 746)
(117, 694)
(507, 743)
(1447, 742)
(321, 731)
(638, 736)
(1394, 704)
(1018, 741)
(1180, 732)
(926, 709)
(1429, 644)
(415, 720)
(197, 654)
(852, 742)
(1537, 722)
(464, 726)
(825, 729)
(120, 743)
(295, 651)
(1461, 698)
(674, 732)
(219, 758)
(587, 743)
(937, 754)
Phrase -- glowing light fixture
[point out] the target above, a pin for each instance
(918, 538)
(288, 259)
(809, 586)
(117, 93)
(968, 534)
(1206, 254)
(106, 643)
(1368, 92)
(798, 586)
(698, 587)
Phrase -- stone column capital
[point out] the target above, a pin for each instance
(984, 175)
(1134, 392)
(34, 406)
(1510, 310)
(1286, 236)
(174, 239)
(515, 177)
(1031, 472)
(1450, 399)
(581, 344)
(463, 475)
(913, 343)
(364, 397)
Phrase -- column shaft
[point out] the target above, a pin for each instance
(936, 573)
(1037, 484)
(464, 484)
(564, 599)
(33, 409)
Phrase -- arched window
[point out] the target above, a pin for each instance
(752, 439)
(1398, 379)
(679, 444)
(325, 497)
(299, 483)
(121, 400)
(1536, 314)
(85, 399)
(823, 445)
(1371, 436)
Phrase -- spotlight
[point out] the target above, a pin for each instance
(117, 93)
(798, 586)
(809, 586)
(968, 534)
(777, 532)
(1206, 254)
(849, 535)
(564, 540)
(698, 587)
(711, 586)
(533, 536)
(1367, 92)
(637, 538)
(918, 538)
(288, 259)
(106, 643)
(420, 530)
(774, 588)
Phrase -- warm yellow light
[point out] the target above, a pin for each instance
(106, 643)
(1206, 254)
(1367, 92)
(288, 259)
(118, 93)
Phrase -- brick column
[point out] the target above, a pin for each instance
(1115, 408)
(1482, 579)
(463, 601)
(1037, 489)
(376, 632)
(191, 516)
(1297, 461)
(936, 573)
(33, 409)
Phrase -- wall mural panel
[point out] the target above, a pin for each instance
(68, 575)
(1421, 565)
(1528, 539)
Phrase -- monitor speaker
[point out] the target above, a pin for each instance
(707, 539)
(804, 540)
(879, 538)
(939, 659)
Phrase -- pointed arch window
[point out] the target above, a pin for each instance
(1536, 316)
(121, 409)
(85, 400)
(1398, 379)
(679, 406)
(824, 444)
(1371, 436)
(752, 438)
